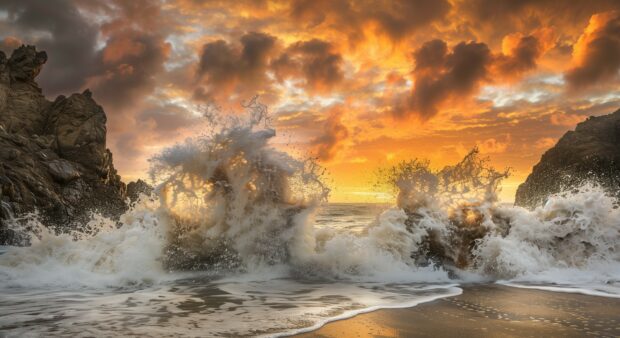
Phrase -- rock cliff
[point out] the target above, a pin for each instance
(589, 153)
(53, 155)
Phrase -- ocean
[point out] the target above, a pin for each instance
(238, 240)
(67, 287)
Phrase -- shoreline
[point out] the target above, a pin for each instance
(456, 290)
(488, 310)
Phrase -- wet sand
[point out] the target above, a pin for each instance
(489, 311)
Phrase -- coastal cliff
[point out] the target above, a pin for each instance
(590, 153)
(53, 155)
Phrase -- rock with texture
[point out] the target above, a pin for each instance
(590, 153)
(137, 188)
(53, 155)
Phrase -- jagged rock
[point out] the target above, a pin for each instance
(20, 96)
(53, 155)
(590, 153)
(79, 126)
(25, 64)
(135, 189)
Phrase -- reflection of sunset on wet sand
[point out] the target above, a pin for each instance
(488, 311)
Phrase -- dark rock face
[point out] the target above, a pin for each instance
(53, 155)
(135, 189)
(589, 153)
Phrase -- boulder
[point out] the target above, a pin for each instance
(62, 170)
(590, 153)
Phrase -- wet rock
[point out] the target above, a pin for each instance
(135, 189)
(53, 155)
(590, 153)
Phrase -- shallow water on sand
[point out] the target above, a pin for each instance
(199, 304)
(488, 311)
(201, 307)
(262, 303)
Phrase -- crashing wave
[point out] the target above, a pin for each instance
(230, 201)
(234, 199)
(455, 215)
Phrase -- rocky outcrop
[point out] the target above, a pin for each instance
(590, 153)
(137, 188)
(53, 155)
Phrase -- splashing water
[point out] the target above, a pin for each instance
(455, 214)
(234, 199)
(231, 229)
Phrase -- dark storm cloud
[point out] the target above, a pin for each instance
(313, 60)
(396, 19)
(341, 14)
(226, 67)
(131, 61)
(223, 66)
(219, 61)
(400, 18)
(522, 58)
(431, 55)
(441, 75)
(499, 9)
(255, 53)
(58, 28)
(600, 59)
(119, 74)
(503, 16)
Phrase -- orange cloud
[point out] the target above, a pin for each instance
(563, 119)
(395, 19)
(544, 143)
(315, 61)
(225, 67)
(493, 146)
(480, 70)
(597, 52)
(326, 145)
(441, 75)
(519, 54)
(9, 43)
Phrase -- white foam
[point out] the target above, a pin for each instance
(590, 290)
(451, 292)
(231, 205)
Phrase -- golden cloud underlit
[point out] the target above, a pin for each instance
(357, 84)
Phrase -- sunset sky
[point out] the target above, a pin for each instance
(358, 84)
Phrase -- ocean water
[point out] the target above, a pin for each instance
(58, 294)
(238, 240)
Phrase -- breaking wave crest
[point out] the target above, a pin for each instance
(458, 224)
(229, 202)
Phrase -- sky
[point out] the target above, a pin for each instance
(359, 85)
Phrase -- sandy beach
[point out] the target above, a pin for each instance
(489, 311)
